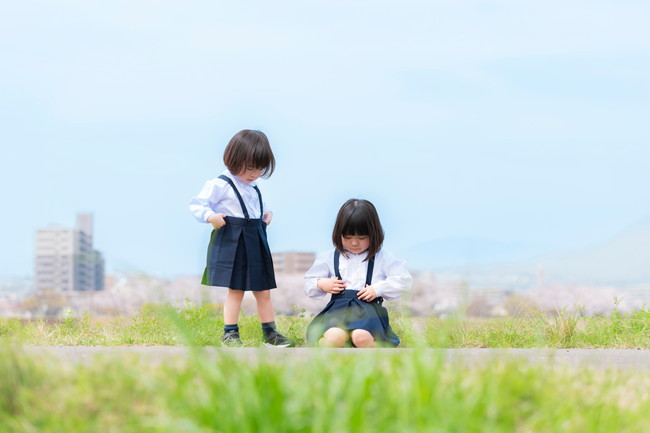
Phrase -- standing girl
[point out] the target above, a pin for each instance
(238, 254)
(359, 275)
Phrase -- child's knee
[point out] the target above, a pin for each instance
(362, 338)
(334, 337)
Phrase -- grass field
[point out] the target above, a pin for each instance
(404, 391)
(372, 391)
(201, 325)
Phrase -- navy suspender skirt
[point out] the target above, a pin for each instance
(346, 311)
(238, 254)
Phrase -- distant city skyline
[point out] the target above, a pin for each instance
(520, 124)
(65, 260)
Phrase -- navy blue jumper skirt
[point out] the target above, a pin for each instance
(238, 254)
(346, 311)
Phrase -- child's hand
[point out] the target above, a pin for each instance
(331, 285)
(268, 216)
(217, 221)
(367, 294)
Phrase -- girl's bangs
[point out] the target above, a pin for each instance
(260, 158)
(356, 225)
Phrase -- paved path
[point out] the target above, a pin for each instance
(602, 358)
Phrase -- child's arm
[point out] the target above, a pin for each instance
(217, 221)
(320, 279)
(367, 294)
(203, 204)
(268, 214)
(331, 285)
(397, 279)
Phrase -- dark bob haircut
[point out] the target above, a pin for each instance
(358, 218)
(249, 148)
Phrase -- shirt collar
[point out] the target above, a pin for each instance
(238, 181)
(355, 257)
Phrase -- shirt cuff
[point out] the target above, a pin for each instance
(313, 291)
(207, 215)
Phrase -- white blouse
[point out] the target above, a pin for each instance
(217, 196)
(390, 277)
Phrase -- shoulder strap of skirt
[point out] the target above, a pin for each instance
(239, 197)
(337, 255)
(259, 195)
(371, 266)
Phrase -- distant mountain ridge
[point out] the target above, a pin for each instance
(624, 259)
(462, 252)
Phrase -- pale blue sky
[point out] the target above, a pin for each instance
(522, 122)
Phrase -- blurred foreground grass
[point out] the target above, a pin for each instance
(201, 326)
(395, 391)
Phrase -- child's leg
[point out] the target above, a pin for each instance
(334, 337)
(270, 335)
(362, 338)
(264, 305)
(232, 306)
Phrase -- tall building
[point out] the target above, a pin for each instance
(65, 258)
(293, 262)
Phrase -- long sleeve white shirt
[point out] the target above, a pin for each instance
(390, 277)
(217, 196)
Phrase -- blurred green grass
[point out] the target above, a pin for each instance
(201, 325)
(402, 391)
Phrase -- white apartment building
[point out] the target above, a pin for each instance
(292, 262)
(65, 258)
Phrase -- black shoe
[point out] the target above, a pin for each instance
(231, 338)
(275, 339)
